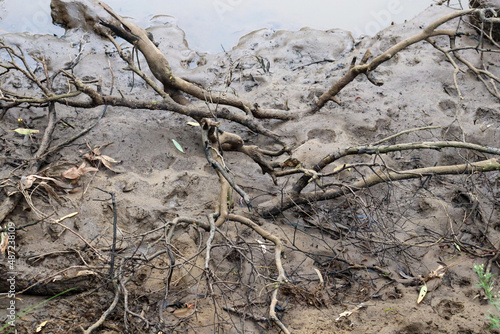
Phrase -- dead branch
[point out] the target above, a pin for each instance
(81, 238)
(165, 104)
(225, 200)
(278, 251)
(381, 149)
(74, 276)
(11, 200)
(161, 69)
(208, 128)
(216, 141)
(110, 309)
(47, 135)
(127, 310)
(245, 315)
(76, 136)
(381, 177)
(113, 244)
(356, 70)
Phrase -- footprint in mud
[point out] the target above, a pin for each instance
(449, 107)
(419, 328)
(413, 328)
(367, 128)
(448, 308)
(487, 118)
(323, 135)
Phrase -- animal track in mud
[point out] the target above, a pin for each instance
(429, 327)
(449, 107)
(487, 118)
(448, 308)
(368, 129)
(323, 135)
(413, 328)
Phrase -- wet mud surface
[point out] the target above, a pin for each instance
(367, 248)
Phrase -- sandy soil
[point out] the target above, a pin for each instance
(365, 246)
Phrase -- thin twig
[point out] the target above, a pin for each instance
(113, 245)
(278, 250)
(110, 309)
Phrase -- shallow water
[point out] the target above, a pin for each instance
(211, 25)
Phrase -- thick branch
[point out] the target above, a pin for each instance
(381, 177)
(159, 66)
(167, 103)
(217, 163)
(304, 180)
(354, 71)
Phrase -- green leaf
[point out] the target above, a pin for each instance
(22, 131)
(178, 146)
(423, 292)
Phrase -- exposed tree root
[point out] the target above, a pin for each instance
(278, 250)
(110, 309)
(381, 149)
(381, 177)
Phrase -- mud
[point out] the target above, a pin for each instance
(156, 183)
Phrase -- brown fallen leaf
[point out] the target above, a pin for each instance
(27, 181)
(71, 174)
(74, 172)
(104, 159)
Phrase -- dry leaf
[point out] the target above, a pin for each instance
(185, 311)
(71, 174)
(85, 273)
(106, 162)
(40, 327)
(84, 170)
(423, 292)
(438, 273)
(74, 172)
(104, 159)
(95, 150)
(62, 184)
(178, 146)
(4, 242)
(76, 190)
(27, 181)
(50, 191)
(22, 131)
